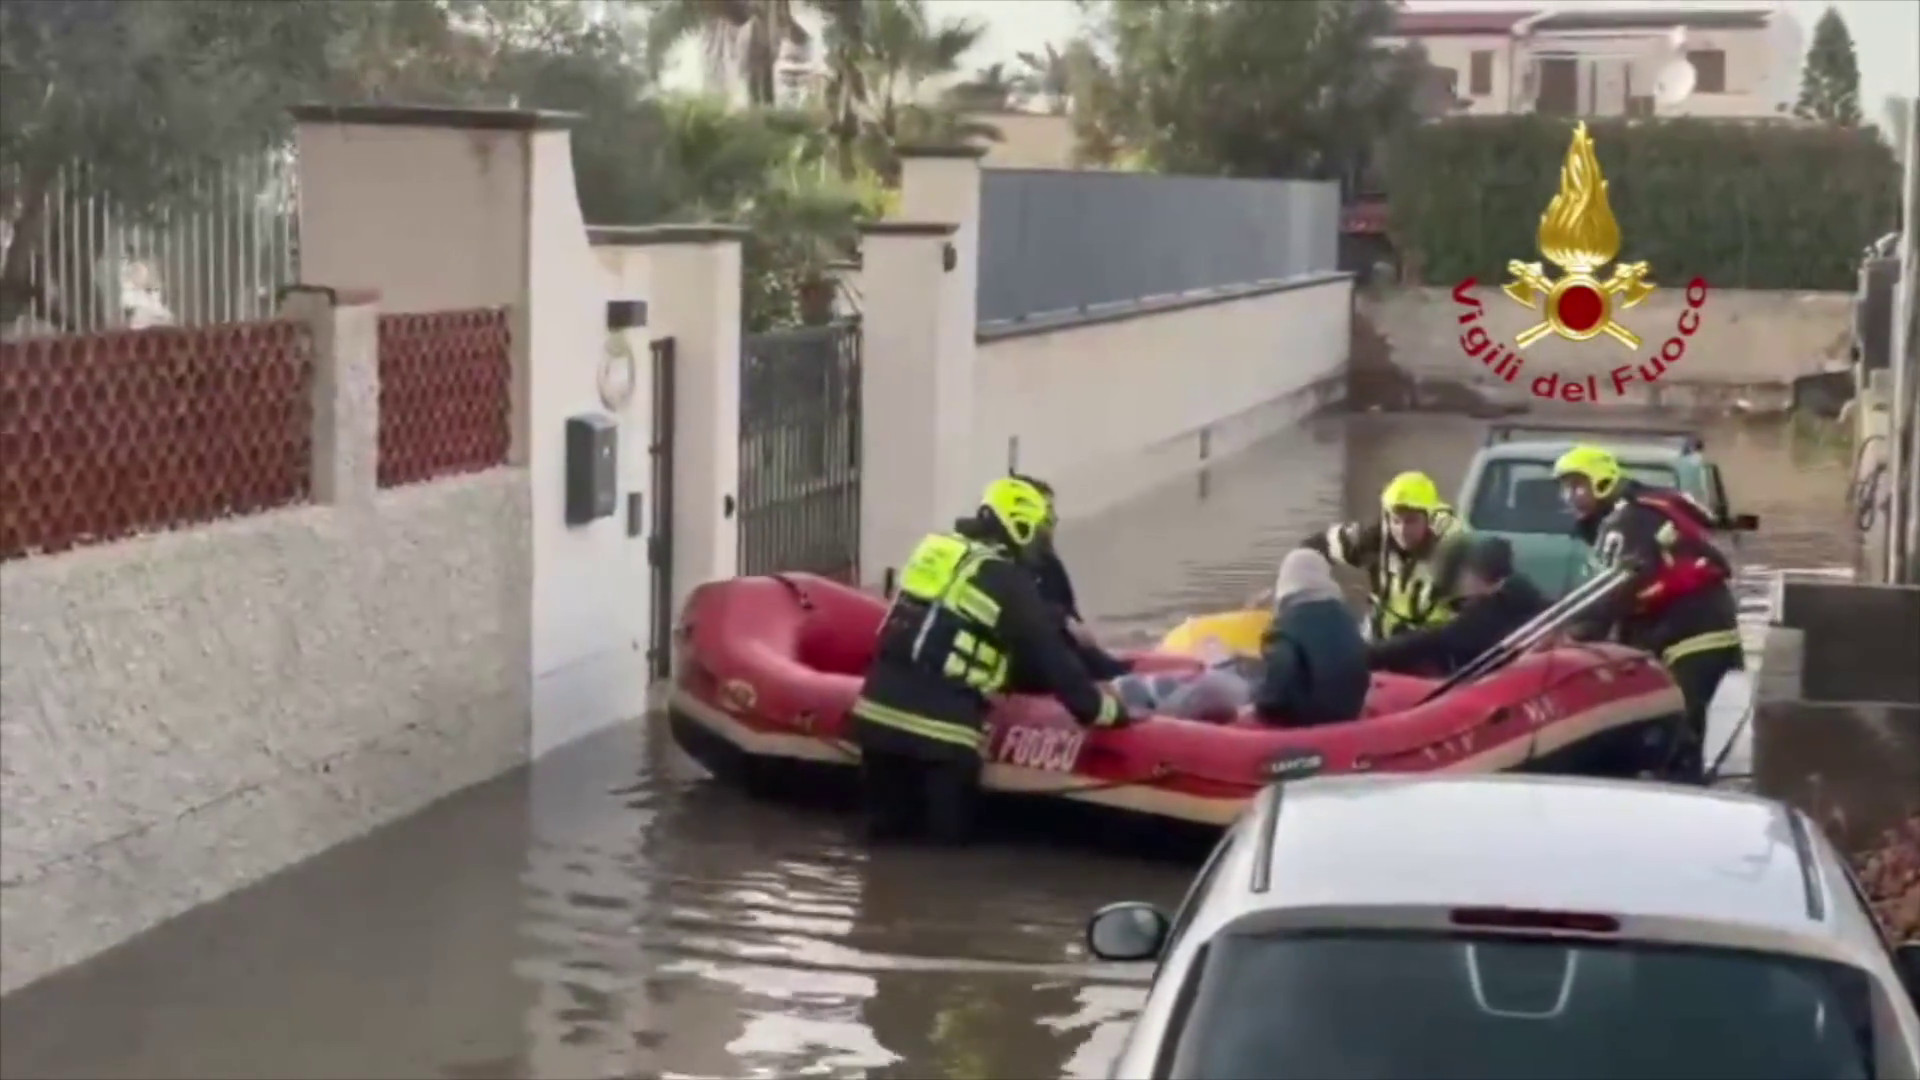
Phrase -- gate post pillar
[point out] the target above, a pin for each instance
(916, 433)
(943, 183)
(695, 275)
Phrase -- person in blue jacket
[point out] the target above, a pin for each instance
(1314, 657)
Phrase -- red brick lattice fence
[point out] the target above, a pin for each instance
(1890, 872)
(108, 435)
(446, 403)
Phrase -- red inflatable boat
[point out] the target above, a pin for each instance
(766, 668)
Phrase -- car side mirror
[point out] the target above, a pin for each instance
(1129, 930)
(1744, 523)
(1906, 960)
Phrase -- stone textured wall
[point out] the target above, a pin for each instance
(182, 714)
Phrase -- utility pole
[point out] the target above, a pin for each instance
(1903, 470)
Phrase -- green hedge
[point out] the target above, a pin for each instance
(1744, 205)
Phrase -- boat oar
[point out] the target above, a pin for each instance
(1536, 630)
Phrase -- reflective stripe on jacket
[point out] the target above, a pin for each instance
(1678, 603)
(1406, 592)
(948, 643)
(942, 625)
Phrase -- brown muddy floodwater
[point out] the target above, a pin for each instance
(611, 914)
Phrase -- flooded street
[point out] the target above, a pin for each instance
(610, 914)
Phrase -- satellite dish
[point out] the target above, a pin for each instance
(1675, 82)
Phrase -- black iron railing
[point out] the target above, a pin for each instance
(799, 498)
(660, 540)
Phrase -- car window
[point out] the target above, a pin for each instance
(1354, 1004)
(1519, 495)
(1202, 883)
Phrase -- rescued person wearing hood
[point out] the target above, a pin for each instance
(1314, 657)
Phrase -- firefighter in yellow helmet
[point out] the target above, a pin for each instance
(1677, 603)
(968, 609)
(1410, 555)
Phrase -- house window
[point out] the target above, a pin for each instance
(1480, 73)
(1710, 68)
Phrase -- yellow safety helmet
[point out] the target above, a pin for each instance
(1411, 491)
(1598, 465)
(1021, 508)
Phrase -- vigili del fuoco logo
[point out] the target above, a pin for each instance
(1578, 234)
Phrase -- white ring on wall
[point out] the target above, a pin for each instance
(617, 376)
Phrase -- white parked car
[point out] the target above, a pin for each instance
(1522, 927)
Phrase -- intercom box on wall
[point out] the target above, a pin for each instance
(592, 476)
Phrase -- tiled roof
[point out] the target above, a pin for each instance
(1435, 23)
(1501, 22)
(1650, 17)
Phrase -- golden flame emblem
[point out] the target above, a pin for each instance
(1579, 235)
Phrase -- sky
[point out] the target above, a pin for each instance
(1886, 33)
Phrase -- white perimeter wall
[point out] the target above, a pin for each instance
(182, 714)
(1107, 408)
(188, 712)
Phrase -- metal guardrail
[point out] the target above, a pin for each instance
(219, 253)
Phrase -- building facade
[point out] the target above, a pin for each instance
(1598, 62)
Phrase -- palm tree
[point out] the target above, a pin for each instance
(907, 48)
(845, 37)
(991, 89)
(745, 35)
(879, 56)
(1050, 76)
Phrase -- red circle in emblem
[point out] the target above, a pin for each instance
(1580, 308)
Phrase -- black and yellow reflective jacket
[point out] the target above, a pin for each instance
(1678, 602)
(965, 613)
(1408, 590)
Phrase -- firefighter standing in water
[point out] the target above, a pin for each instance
(1410, 555)
(1676, 605)
(968, 610)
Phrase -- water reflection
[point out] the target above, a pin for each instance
(611, 914)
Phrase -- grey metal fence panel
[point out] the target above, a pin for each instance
(800, 451)
(1052, 242)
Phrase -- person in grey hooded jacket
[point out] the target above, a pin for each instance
(1315, 659)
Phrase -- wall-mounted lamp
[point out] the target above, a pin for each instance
(626, 314)
(617, 375)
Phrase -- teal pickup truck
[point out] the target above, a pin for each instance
(1510, 490)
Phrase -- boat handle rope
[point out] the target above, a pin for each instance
(1166, 770)
(799, 591)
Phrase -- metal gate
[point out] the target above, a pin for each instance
(800, 451)
(660, 537)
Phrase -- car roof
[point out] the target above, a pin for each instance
(1625, 848)
(1627, 451)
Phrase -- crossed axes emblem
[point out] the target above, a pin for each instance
(1531, 287)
